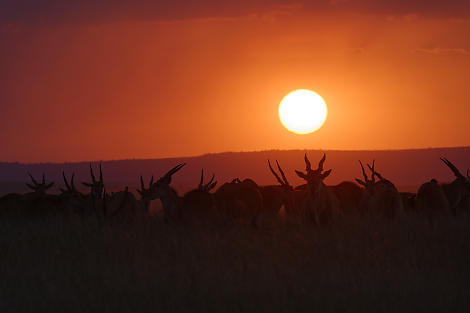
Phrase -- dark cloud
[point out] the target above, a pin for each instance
(103, 11)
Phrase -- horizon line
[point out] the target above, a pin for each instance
(240, 152)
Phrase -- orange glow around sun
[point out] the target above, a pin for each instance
(302, 111)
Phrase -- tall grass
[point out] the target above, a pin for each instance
(356, 265)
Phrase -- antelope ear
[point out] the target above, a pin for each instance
(360, 182)
(326, 174)
(301, 175)
(87, 184)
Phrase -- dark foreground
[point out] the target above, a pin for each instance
(354, 266)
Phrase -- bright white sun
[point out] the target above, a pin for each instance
(302, 111)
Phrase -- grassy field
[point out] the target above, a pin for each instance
(362, 265)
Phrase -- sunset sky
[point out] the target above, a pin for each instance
(87, 80)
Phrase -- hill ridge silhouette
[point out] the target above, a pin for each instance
(407, 168)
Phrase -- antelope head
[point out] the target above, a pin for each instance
(314, 178)
(69, 187)
(209, 186)
(162, 186)
(367, 183)
(97, 186)
(145, 193)
(283, 182)
(461, 180)
(39, 188)
(374, 172)
(73, 197)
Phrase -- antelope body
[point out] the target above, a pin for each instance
(199, 204)
(432, 201)
(239, 200)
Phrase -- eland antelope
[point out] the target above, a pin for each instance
(380, 197)
(239, 200)
(199, 204)
(171, 202)
(320, 204)
(276, 196)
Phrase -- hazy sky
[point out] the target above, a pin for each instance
(86, 80)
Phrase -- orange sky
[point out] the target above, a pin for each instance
(160, 87)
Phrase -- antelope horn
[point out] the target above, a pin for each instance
(202, 179)
(363, 171)
(282, 173)
(452, 167)
(175, 169)
(142, 187)
(274, 173)
(105, 203)
(101, 174)
(43, 179)
(92, 175)
(32, 178)
(320, 164)
(71, 182)
(468, 176)
(210, 181)
(65, 181)
(373, 171)
(308, 166)
(212, 186)
(151, 182)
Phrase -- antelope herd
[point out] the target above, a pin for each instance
(245, 201)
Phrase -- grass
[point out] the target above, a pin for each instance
(358, 265)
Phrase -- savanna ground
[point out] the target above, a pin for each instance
(358, 265)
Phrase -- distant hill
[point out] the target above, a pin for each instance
(406, 168)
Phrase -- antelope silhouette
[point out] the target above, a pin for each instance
(380, 197)
(239, 200)
(276, 196)
(458, 191)
(320, 204)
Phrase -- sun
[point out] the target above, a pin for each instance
(302, 111)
